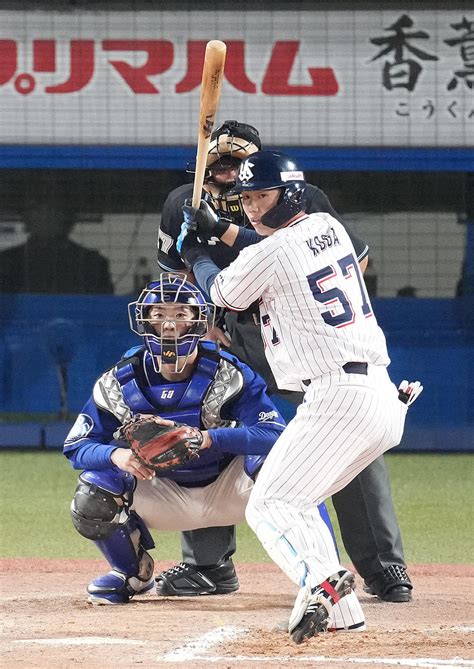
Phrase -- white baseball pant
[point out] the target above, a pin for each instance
(345, 422)
(165, 505)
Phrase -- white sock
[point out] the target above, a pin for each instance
(346, 614)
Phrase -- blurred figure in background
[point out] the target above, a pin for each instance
(406, 291)
(49, 262)
(370, 278)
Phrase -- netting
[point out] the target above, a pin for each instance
(115, 79)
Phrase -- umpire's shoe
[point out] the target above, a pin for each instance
(313, 607)
(189, 580)
(117, 588)
(391, 585)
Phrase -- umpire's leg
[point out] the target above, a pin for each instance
(367, 521)
(207, 567)
(209, 545)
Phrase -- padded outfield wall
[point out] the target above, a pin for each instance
(428, 339)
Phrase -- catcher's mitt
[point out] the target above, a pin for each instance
(161, 444)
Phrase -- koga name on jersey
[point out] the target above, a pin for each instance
(320, 243)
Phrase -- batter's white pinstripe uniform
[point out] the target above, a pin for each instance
(315, 317)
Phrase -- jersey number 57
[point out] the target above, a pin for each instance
(340, 311)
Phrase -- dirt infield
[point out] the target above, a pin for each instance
(48, 623)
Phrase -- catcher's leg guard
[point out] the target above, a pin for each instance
(100, 511)
(101, 502)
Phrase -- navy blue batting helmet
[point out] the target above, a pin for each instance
(266, 170)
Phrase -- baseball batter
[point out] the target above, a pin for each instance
(320, 334)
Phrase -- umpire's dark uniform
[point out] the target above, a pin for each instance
(364, 508)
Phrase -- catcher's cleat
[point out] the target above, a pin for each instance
(391, 585)
(188, 580)
(116, 588)
(312, 609)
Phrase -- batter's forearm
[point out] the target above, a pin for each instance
(205, 271)
(230, 235)
(239, 237)
(246, 237)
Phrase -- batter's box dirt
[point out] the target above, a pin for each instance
(48, 623)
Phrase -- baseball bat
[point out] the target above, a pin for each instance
(212, 75)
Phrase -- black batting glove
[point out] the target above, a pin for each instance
(207, 221)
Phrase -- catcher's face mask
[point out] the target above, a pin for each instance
(230, 143)
(172, 315)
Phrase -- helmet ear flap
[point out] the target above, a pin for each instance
(297, 196)
(290, 203)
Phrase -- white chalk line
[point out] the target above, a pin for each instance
(195, 650)
(84, 641)
(425, 663)
(196, 647)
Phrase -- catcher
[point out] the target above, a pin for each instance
(171, 439)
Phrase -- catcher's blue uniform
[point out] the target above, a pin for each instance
(222, 393)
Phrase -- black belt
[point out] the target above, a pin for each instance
(355, 368)
(349, 368)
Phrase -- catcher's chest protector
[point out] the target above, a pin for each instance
(198, 401)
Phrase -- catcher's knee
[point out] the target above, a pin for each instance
(101, 502)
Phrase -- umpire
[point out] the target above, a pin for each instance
(364, 509)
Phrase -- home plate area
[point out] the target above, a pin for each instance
(47, 621)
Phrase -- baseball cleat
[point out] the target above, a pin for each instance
(356, 627)
(116, 588)
(391, 585)
(188, 580)
(312, 609)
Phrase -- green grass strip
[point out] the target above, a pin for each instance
(432, 495)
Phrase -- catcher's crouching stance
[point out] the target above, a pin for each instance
(170, 439)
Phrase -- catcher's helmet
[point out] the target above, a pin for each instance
(168, 347)
(230, 143)
(232, 140)
(265, 170)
